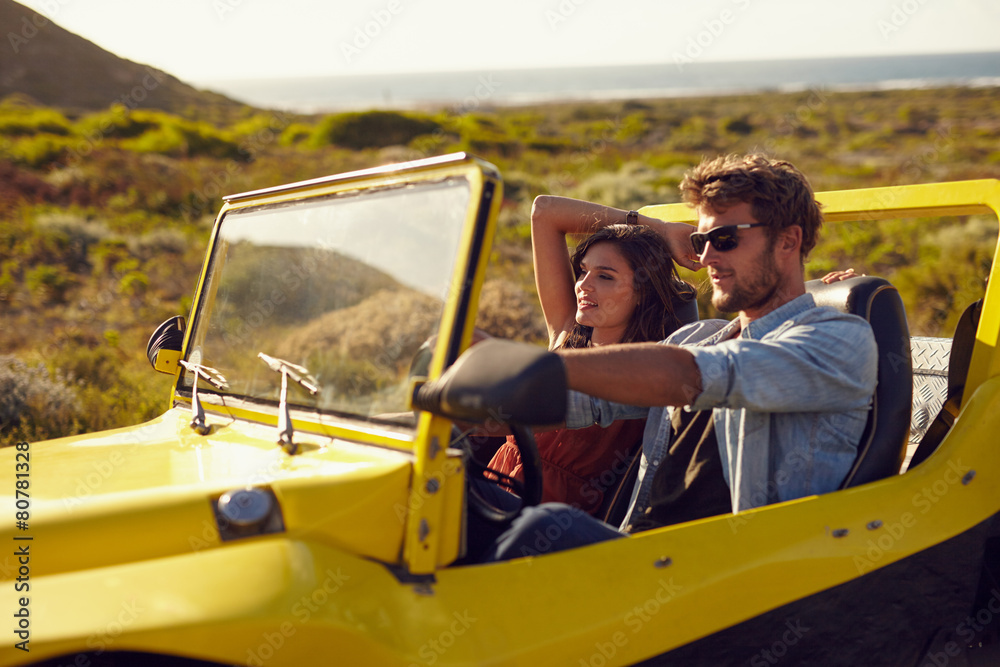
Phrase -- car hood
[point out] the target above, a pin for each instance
(149, 491)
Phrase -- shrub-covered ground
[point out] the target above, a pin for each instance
(104, 217)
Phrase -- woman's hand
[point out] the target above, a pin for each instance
(552, 219)
(678, 238)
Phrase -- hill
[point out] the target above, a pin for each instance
(57, 68)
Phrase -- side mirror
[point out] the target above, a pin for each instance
(499, 379)
(164, 347)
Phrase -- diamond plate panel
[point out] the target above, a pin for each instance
(930, 382)
(930, 355)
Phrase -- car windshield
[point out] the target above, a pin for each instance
(347, 287)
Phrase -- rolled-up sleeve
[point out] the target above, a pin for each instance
(795, 368)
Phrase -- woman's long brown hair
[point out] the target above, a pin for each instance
(658, 288)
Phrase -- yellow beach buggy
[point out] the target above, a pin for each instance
(303, 500)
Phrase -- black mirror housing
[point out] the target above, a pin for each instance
(164, 347)
(499, 379)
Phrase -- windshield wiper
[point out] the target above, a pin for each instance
(304, 378)
(211, 376)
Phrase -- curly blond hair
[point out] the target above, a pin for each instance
(778, 193)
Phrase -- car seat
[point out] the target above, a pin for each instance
(883, 443)
(958, 369)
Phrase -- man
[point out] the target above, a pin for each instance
(788, 383)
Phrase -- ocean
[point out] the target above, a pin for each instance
(466, 90)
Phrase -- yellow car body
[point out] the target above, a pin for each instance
(125, 552)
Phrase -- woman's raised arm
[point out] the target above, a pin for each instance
(552, 218)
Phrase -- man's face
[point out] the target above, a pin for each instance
(746, 278)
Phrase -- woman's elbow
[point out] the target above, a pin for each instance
(539, 207)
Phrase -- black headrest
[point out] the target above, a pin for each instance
(686, 311)
(883, 445)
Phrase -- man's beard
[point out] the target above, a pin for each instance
(754, 291)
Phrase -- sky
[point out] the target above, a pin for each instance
(205, 41)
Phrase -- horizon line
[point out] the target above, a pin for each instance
(591, 67)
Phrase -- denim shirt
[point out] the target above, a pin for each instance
(790, 394)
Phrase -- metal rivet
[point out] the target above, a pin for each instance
(666, 561)
(874, 525)
(840, 532)
(433, 485)
(968, 476)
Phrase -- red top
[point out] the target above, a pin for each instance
(578, 465)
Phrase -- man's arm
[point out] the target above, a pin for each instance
(584, 410)
(644, 374)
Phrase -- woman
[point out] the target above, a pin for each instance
(619, 286)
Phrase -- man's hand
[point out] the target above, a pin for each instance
(837, 276)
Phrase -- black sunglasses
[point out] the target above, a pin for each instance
(722, 239)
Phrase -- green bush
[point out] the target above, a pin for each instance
(36, 151)
(50, 283)
(118, 122)
(695, 134)
(19, 121)
(108, 253)
(371, 129)
(295, 133)
(488, 143)
(133, 283)
(182, 139)
(740, 126)
(633, 128)
(8, 283)
(550, 144)
(630, 187)
(117, 388)
(158, 242)
(256, 124)
(34, 405)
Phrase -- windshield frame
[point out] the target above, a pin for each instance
(455, 325)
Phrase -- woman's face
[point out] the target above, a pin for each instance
(605, 296)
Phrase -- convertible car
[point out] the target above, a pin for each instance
(304, 497)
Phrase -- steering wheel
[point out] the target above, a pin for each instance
(482, 482)
(488, 489)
